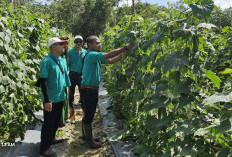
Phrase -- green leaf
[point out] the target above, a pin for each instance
(37, 48)
(9, 32)
(20, 75)
(4, 19)
(210, 46)
(175, 60)
(10, 106)
(19, 85)
(184, 32)
(133, 33)
(206, 25)
(145, 60)
(21, 65)
(1, 43)
(224, 152)
(186, 127)
(187, 151)
(2, 89)
(219, 97)
(165, 120)
(7, 38)
(203, 10)
(201, 132)
(226, 71)
(2, 25)
(225, 29)
(41, 20)
(135, 47)
(30, 29)
(155, 38)
(183, 101)
(213, 77)
(150, 122)
(19, 34)
(184, 87)
(2, 35)
(225, 126)
(187, 1)
(3, 58)
(160, 102)
(6, 80)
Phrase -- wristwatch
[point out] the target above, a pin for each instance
(125, 47)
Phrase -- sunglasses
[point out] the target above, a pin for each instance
(78, 41)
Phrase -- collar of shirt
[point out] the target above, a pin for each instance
(54, 57)
(89, 50)
(77, 51)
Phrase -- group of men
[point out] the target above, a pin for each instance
(84, 71)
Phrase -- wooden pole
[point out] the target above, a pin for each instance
(133, 8)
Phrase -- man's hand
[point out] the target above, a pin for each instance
(129, 46)
(48, 107)
(117, 51)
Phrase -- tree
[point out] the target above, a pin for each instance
(222, 18)
(95, 16)
(84, 17)
(20, 2)
(145, 10)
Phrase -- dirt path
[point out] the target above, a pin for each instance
(75, 147)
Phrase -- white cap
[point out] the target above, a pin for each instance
(54, 40)
(78, 37)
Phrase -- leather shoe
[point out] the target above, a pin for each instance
(48, 153)
(61, 125)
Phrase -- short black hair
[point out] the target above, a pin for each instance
(91, 39)
(63, 38)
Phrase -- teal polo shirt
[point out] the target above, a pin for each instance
(56, 80)
(67, 80)
(91, 74)
(75, 59)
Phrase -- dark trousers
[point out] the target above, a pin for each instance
(75, 79)
(89, 101)
(50, 125)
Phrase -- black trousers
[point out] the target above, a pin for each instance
(50, 125)
(75, 79)
(89, 101)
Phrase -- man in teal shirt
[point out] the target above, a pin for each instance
(75, 63)
(65, 109)
(91, 78)
(54, 79)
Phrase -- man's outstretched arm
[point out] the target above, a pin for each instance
(117, 51)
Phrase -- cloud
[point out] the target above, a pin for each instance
(223, 3)
(125, 3)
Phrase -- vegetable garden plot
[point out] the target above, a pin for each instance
(187, 59)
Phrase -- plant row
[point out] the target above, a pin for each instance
(23, 38)
(172, 90)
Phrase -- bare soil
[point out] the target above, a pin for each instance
(74, 146)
